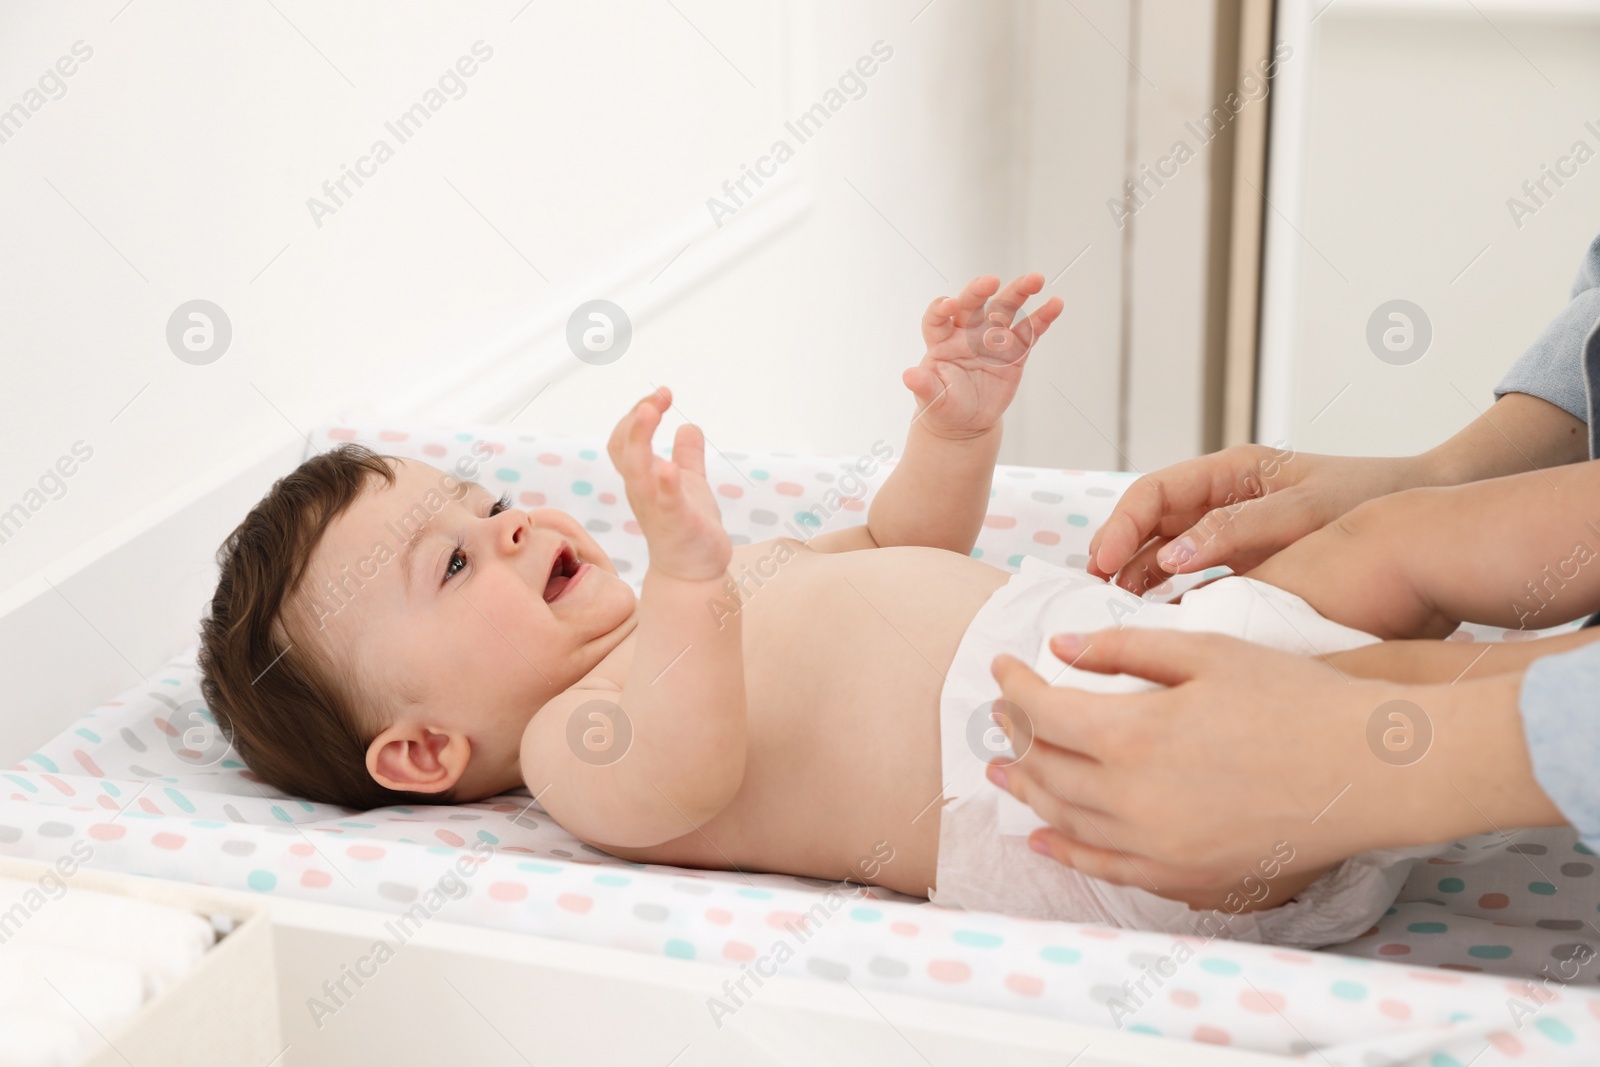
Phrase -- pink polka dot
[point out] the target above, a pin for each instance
(300, 848)
(550, 459)
(852, 504)
(493, 446)
(607, 498)
(1594, 1007)
(630, 526)
(450, 837)
(1185, 998)
(1394, 950)
(1438, 861)
(949, 971)
(1504, 1042)
(1519, 635)
(105, 802)
(789, 488)
(786, 919)
(1024, 985)
(1212, 1036)
(1261, 1003)
(904, 929)
(251, 776)
(315, 879)
(392, 435)
(170, 842)
(86, 763)
(1494, 901)
(1432, 976)
(1047, 537)
(365, 852)
(434, 450)
(166, 727)
(1293, 957)
(574, 902)
(999, 522)
(738, 951)
(1370, 933)
(507, 891)
(530, 499)
(342, 433)
(61, 787)
(1395, 1009)
(105, 831)
(732, 491)
(719, 916)
(1099, 933)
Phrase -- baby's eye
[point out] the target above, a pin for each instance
(503, 504)
(457, 561)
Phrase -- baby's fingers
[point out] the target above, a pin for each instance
(689, 449)
(1033, 327)
(969, 305)
(1009, 300)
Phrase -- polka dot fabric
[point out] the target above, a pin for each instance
(123, 781)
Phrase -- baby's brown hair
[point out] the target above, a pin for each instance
(285, 711)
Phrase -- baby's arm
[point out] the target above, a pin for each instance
(938, 494)
(1521, 551)
(667, 753)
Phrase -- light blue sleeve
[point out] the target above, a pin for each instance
(1561, 720)
(1553, 366)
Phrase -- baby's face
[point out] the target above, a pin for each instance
(461, 613)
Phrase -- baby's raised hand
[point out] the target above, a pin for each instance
(670, 497)
(975, 355)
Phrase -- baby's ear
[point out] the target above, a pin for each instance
(412, 758)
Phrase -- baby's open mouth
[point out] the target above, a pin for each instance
(562, 570)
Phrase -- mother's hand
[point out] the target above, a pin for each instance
(1236, 508)
(1194, 786)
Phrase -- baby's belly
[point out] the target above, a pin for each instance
(845, 657)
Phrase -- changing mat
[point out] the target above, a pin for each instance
(142, 783)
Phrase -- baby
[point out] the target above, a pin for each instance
(832, 723)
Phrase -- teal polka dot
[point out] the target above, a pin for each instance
(1214, 572)
(508, 474)
(111, 788)
(538, 868)
(207, 824)
(1580, 848)
(23, 782)
(1220, 966)
(614, 880)
(582, 488)
(45, 762)
(1489, 952)
(1443, 1059)
(1427, 928)
(1060, 955)
(1144, 1028)
(1349, 990)
(90, 734)
(805, 518)
(487, 838)
(977, 939)
(1543, 889)
(760, 476)
(755, 894)
(866, 915)
(262, 881)
(976, 553)
(232, 765)
(587, 453)
(463, 437)
(1555, 1030)
(179, 799)
(281, 815)
(1451, 885)
(1077, 520)
(1016, 561)
(679, 949)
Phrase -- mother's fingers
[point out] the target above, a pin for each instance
(1106, 864)
(1069, 718)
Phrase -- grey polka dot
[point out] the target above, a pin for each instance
(594, 851)
(884, 967)
(694, 889)
(1528, 850)
(238, 848)
(1079, 560)
(232, 813)
(1577, 950)
(55, 829)
(1102, 993)
(833, 972)
(143, 772)
(1577, 870)
(405, 894)
(1300, 1048)
(824, 476)
(464, 817)
(1560, 924)
(563, 853)
(816, 883)
(1099, 490)
(1143, 959)
(763, 517)
(622, 565)
(597, 526)
(8, 834)
(739, 539)
(131, 739)
(650, 913)
(1047, 498)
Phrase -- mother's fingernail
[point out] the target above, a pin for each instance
(1067, 643)
(998, 776)
(1176, 554)
(1039, 845)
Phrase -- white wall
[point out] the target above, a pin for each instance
(179, 161)
(1419, 121)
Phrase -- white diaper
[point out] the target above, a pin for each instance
(984, 859)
